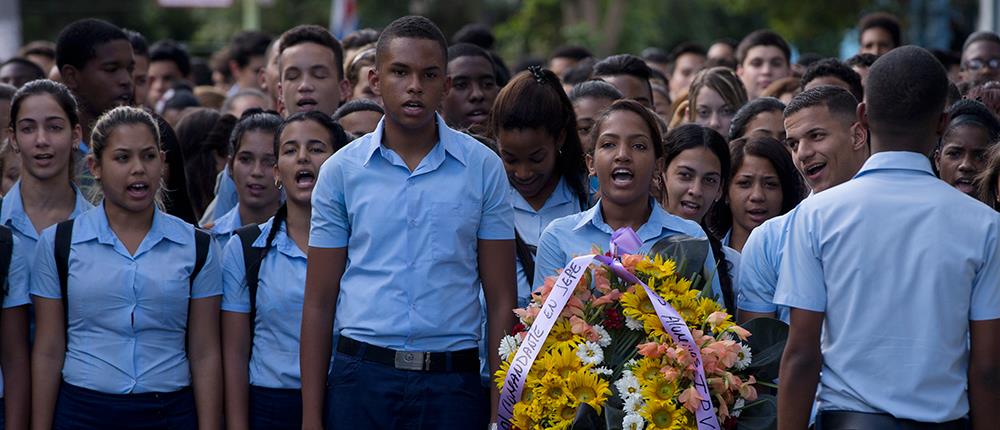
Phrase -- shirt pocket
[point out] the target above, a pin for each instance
(168, 297)
(455, 226)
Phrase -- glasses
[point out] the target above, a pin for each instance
(976, 64)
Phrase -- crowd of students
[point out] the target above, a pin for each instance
(311, 233)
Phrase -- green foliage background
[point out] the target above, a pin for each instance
(521, 26)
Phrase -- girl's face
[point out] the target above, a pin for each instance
(624, 159)
(130, 168)
(44, 137)
(766, 124)
(252, 165)
(755, 194)
(962, 156)
(693, 181)
(304, 146)
(529, 157)
(11, 171)
(712, 111)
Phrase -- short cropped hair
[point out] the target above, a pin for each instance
(837, 100)
(359, 38)
(77, 43)
(314, 34)
(36, 71)
(460, 50)
(833, 67)
(359, 105)
(474, 33)
(248, 44)
(861, 60)
(414, 27)
(623, 64)
(906, 86)
(139, 45)
(883, 20)
(981, 36)
(762, 38)
(169, 50)
(594, 89)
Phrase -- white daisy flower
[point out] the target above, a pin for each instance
(736, 411)
(629, 365)
(744, 357)
(628, 384)
(605, 337)
(633, 422)
(633, 404)
(603, 371)
(632, 323)
(508, 347)
(590, 353)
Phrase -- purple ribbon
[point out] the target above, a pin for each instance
(623, 241)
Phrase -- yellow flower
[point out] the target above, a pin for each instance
(659, 388)
(663, 415)
(657, 268)
(586, 387)
(647, 370)
(636, 304)
(552, 388)
(688, 309)
(522, 418)
(501, 374)
(561, 336)
(560, 362)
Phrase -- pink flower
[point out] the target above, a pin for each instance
(631, 260)
(670, 373)
(608, 298)
(717, 318)
(651, 349)
(601, 281)
(580, 327)
(690, 398)
(527, 314)
(747, 390)
(741, 332)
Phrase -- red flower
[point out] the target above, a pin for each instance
(613, 319)
(729, 424)
(517, 329)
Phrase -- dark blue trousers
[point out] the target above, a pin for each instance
(79, 408)
(365, 395)
(275, 408)
(3, 423)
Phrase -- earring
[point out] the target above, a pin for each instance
(277, 183)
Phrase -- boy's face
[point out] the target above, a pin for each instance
(310, 79)
(473, 89)
(140, 78)
(763, 65)
(412, 79)
(16, 74)
(161, 77)
(105, 82)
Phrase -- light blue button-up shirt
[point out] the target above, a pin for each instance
(224, 227)
(531, 223)
(12, 215)
(758, 273)
(16, 293)
(280, 294)
(900, 262)
(127, 313)
(412, 278)
(575, 235)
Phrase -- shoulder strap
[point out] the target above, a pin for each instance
(526, 255)
(202, 240)
(6, 253)
(251, 263)
(64, 238)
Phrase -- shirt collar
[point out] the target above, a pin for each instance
(658, 220)
(896, 160)
(229, 222)
(13, 213)
(560, 195)
(94, 225)
(449, 139)
(281, 241)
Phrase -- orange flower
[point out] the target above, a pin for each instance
(651, 349)
(631, 260)
(747, 390)
(580, 327)
(601, 281)
(608, 298)
(690, 398)
(741, 332)
(717, 318)
(528, 314)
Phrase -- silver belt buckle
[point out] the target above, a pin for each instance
(408, 360)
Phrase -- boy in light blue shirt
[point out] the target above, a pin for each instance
(899, 272)
(828, 147)
(407, 222)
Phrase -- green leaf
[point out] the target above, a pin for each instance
(767, 343)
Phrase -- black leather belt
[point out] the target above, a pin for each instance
(846, 420)
(466, 360)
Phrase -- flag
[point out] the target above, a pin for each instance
(343, 17)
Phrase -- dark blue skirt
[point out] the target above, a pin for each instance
(79, 408)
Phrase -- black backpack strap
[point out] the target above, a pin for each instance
(64, 239)
(526, 254)
(251, 262)
(6, 253)
(202, 241)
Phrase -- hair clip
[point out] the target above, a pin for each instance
(536, 71)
